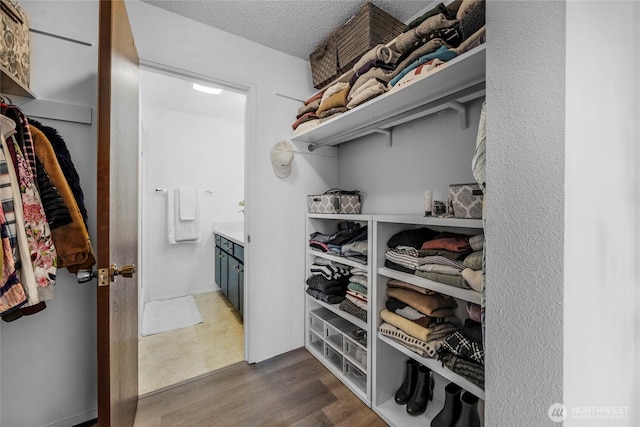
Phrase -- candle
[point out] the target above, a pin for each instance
(427, 203)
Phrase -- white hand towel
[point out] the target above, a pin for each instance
(187, 196)
(179, 230)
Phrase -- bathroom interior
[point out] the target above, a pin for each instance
(191, 163)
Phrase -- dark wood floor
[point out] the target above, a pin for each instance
(292, 389)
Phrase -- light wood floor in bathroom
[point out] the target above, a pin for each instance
(292, 389)
(176, 356)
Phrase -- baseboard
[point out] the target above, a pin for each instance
(78, 419)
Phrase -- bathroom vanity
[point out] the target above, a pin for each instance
(229, 261)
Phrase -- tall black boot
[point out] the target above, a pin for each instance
(406, 389)
(423, 392)
(469, 413)
(452, 406)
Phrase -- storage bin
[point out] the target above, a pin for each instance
(324, 62)
(316, 342)
(334, 336)
(15, 55)
(466, 200)
(317, 318)
(370, 27)
(333, 356)
(355, 375)
(355, 353)
(335, 201)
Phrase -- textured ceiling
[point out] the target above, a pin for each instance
(293, 27)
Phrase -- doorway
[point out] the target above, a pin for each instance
(192, 142)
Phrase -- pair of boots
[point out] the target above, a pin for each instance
(417, 388)
(460, 409)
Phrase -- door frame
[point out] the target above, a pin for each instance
(250, 92)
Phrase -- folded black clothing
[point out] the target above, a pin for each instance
(359, 233)
(458, 344)
(473, 21)
(440, 8)
(392, 265)
(413, 237)
(472, 371)
(472, 330)
(394, 304)
(329, 299)
(320, 283)
(349, 307)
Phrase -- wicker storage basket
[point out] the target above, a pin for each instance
(370, 27)
(324, 62)
(14, 41)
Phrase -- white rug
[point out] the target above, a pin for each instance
(170, 314)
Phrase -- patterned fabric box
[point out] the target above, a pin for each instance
(14, 41)
(466, 200)
(335, 201)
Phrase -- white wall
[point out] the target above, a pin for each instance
(187, 150)
(426, 154)
(602, 287)
(525, 210)
(48, 360)
(275, 207)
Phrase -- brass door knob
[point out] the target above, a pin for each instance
(126, 271)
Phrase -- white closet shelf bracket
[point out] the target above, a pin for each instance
(462, 110)
(388, 133)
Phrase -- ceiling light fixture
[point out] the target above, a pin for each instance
(207, 89)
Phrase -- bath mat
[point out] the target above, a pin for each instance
(170, 314)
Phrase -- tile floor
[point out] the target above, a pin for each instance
(176, 356)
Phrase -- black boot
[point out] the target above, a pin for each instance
(469, 413)
(406, 389)
(452, 406)
(423, 392)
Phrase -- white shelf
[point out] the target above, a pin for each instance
(429, 220)
(463, 294)
(460, 81)
(436, 367)
(396, 415)
(349, 217)
(335, 308)
(334, 258)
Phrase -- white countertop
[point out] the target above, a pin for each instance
(233, 231)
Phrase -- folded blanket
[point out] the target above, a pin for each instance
(422, 348)
(473, 41)
(473, 260)
(406, 41)
(330, 272)
(408, 326)
(420, 72)
(329, 299)
(459, 345)
(355, 287)
(366, 92)
(477, 242)
(349, 307)
(404, 256)
(360, 280)
(392, 265)
(304, 118)
(309, 108)
(472, 371)
(447, 279)
(443, 54)
(435, 305)
(357, 301)
(414, 237)
(379, 52)
(360, 247)
(441, 269)
(473, 278)
(458, 243)
(455, 256)
(393, 283)
(332, 112)
(337, 97)
(332, 287)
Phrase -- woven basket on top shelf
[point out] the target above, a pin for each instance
(370, 27)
